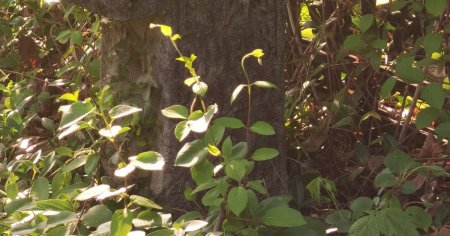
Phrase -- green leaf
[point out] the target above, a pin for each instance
(61, 218)
(96, 216)
(40, 188)
(181, 131)
(408, 73)
(148, 161)
(237, 200)
(191, 153)
(443, 130)
(365, 226)
(55, 204)
(74, 113)
(263, 154)
(20, 204)
(92, 192)
(176, 112)
(340, 218)
(434, 95)
(229, 122)
(354, 42)
(282, 217)
(361, 204)
(121, 222)
(75, 163)
(399, 162)
(425, 117)
(76, 38)
(385, 180)
(432, 43)
(365, 22)
(419, 217)
(408, 188)
(227, 146)
(236, 169)
(239, 151)
(58, 231)
(200, 88)
(264, 84)
(91, 164)
(258, 186)
(386, 89)
(63, 37)
(236, 92)
(202, 172)
(394, 221)
(144, 202)
(435, 7)
(262, 128)
(122, 111)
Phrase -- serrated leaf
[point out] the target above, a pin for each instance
(92, 192)
(264, 84)
(96, 216)
(365, 22)
(236, 92)
(176, 112)
(74, 113)
(191, 153)
(419, 217)
(148, 161)
(434, 95)
(262, 128)
(121, 222)
(237, 200)
(122, 111)
(145, 202)
(282, 217)
(425, 117)
(263, 154)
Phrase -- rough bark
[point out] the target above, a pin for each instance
(140, 66)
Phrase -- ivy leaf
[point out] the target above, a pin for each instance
(237, 200)
(122, 111)
(365, 22)
(434, 95)
(121, 222)
(74, 113)
(263, 154)
(176, 112)
(282, 217)
(191, 153)
(386, 89)
(236, 92)
(435, 7)
(262, 128)
(425, 117)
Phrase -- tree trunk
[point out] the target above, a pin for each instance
(139, 64)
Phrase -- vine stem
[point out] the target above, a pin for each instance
(410, 113)
(249, 91)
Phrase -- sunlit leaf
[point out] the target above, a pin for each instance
(92, 192)
(122, 111)
(176, 112)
